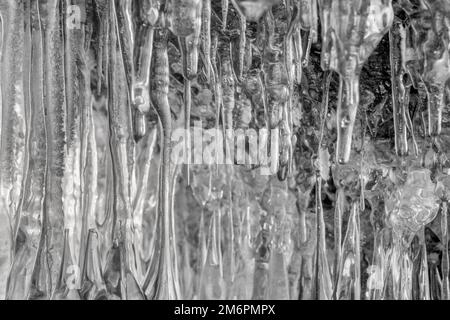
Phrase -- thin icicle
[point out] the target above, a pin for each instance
(122, 155)
(349, 283)
(396, 42)
(52, 238)
(345, 52)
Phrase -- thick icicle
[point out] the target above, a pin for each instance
(189, 46)
(148, 14)
(254, 10)
(125, 33)
(29, 226)
(347, 43)
(276, 86)
(48, 262)
(101, 8)
(92, 284)
(338, 214)
(13, 129)
(323, 284)
(122, 155)
(164, 285)
(262, 259)
(225, 7)
(79, 129)
(228, 97)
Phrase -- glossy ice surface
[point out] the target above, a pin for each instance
(313, 160)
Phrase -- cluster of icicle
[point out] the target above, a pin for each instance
(87, 199)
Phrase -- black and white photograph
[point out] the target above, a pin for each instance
(237, 151)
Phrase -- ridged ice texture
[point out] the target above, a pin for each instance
(345, 199)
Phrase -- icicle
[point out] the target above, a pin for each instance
(225, 5)
(68, 275)
(308, 247)
(28, 232)
(174, 251)
(445, 260)
(435, 103)
(165, 288)
(323, 284)
(243, 285)
(349, 284)
(228, 98)
(139, 199)
(338, 213)
(274, 202)
(13, 129)
(141, 193)
(346, 115)
(217, 83)
(89, 176)
(230, 255)
(112, 273)
(142, 60)
(309, 18)
(276, 88)
(308, 21)
(436, 67)
(212, 286)
(410, 208)
(92, 284)
(189, 45)
(129, 286)
(396, 43)
(345, 54)
(424, 283)
(278, 288)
